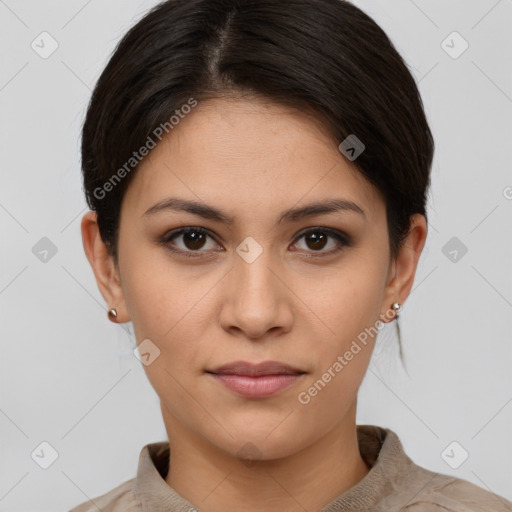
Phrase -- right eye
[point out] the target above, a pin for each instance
(193, 240)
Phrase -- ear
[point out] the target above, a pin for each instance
(403, 270)
(104, 267)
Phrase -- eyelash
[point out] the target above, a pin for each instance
(343, 239)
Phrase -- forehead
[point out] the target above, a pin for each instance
(243, 153)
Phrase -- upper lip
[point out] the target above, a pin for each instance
(251, 369)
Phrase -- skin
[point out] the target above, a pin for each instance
(253, 160)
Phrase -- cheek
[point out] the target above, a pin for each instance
(348, 301)
(165, 307)
(340, 369)
(169, 317)
(346, 317)
(157, 295)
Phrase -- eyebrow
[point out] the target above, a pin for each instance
(294, 214)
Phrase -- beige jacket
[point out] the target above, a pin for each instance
(394, 484)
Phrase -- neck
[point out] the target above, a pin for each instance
(215, 481)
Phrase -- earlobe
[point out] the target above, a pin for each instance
(405, 265)
(104, 268)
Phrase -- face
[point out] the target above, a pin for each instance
(255, 276)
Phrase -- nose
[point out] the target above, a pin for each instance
(256, 299)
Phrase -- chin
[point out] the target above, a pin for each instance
(258, 444)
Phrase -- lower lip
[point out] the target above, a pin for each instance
(257, 387)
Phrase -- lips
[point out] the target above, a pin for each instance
(254, 370)
(256, 381)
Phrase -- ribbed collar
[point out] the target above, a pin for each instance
(380, 447)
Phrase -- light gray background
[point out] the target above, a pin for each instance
(68, 376)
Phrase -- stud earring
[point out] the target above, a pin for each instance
(112, 315)
(396, 306)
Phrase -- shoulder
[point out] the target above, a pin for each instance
(445, 493)
(408, 487)
(119, 499)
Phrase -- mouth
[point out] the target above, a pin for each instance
(256, 380)
(256, 370)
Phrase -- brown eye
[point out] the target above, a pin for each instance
(194, 240)
(317, 239)
(188, 241)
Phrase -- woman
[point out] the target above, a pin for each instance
(257, 174)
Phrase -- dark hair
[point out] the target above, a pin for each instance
(324, 57)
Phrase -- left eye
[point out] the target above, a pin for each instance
(316, 239)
